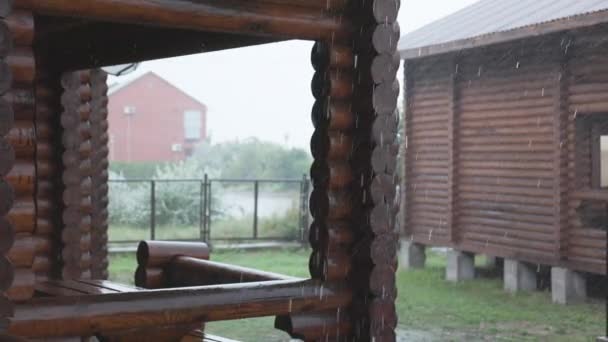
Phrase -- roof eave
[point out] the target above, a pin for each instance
(554, 26)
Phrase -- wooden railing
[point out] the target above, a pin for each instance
(92, 314)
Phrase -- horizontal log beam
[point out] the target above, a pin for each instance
(187, 271)
(247, 17)
(88, 315)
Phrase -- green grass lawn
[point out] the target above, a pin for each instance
(477, 310)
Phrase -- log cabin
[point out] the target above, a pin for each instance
(506, 118)
(54, 172)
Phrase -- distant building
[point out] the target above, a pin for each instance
(152, 120)
(506, 121)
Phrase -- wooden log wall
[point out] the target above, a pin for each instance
(27, 243)
(587, 100)
(496, 161)
(99, 158)
(76, 138)
(376, 175)
(505, 181)
(7, 160)
(354, 201)
(427, 96)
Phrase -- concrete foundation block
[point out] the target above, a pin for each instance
(518, 276)
(460, 266)
(411, 255)
(567, 286)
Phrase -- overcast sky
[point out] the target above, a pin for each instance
(264, 91)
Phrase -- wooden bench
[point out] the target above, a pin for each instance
(66, 288)
(80, 287)
(193, 291)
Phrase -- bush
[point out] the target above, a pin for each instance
(177, 202)
(129, 203)
(138, 170)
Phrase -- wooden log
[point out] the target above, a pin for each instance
(336, 56)
(168, 333)
(10, 338)
(315, 326)
(336, 265)
(333, 205)
(42, 264)
(332, 146)
(23, 286)
(386, 37)
(382, 282)
(150, 277)
(384, 249)
(7, 117)
(21, 25)
(22, 180)
(253, 18)
(6, 40)
(7, 196)
(384, 67)
(383, 189)
(383, 315)
(333, 115)
(7, 157)
(86, 315)
(187, 271)
(336, 175)
(25, 249)
(330, 235)
(22, 66)
(7, 272)
(7, 235)
(336, 84)
(6, 77)
(385, 97)
(159, 253)
(385, 11)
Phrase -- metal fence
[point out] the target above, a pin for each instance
(208, 209)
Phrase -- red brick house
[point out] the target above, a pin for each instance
(152, 120)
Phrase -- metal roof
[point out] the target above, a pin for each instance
(488, 17)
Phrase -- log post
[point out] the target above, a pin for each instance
(7, 158)
(76, 234)
(99, 179)
(373, 311)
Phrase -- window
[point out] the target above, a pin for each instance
(192, 125)
(129, 110)
(599, 151)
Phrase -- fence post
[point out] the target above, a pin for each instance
(209, 206)
(256, 191)
(304, 212)
(152, 210)
(203, 209)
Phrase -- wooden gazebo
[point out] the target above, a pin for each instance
(53, 163)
